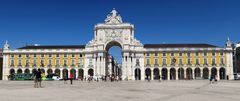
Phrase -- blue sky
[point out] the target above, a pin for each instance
(67, 22)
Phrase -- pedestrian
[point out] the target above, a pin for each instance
(65, 78)
(216, 78)
(148, 78)
(39, 78)
(211, 79)
(159, 78)
(35, 79)
(71, 78)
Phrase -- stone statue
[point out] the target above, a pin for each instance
(113, 18)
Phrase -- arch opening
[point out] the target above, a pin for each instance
(113, 59)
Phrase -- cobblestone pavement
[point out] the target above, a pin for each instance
(198, 90)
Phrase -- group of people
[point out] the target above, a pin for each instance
(37, 78)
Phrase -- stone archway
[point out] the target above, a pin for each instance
(81, 74)
(73, 73)
(42, 70)
(148, 73)
(49, 71)
(58, 72)
(197, 72)
(12, 71)
(113, 58)
(205, 73)
(90, 72)
(156, 75)
(214, 72)
(137, 74)
(164, 74)
(189, 73)
(222, 73)
(65, 73)
(34, 70)
(181, 74)
(172, 74)
(27, 71)
(19, 71)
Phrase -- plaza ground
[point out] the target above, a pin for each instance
(195, 90)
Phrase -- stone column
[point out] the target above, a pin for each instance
(185, 73)
(61, 73)
(5, 67)
(160, 73)
(152, 74)
(201, 73)
(124, 68)
(193, 74)
(176, 73)
(168, 75)
(218, 72)
(209, 73)
(76, 74)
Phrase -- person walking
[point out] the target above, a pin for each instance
(39, 78)
(35, 79)
(71, 78)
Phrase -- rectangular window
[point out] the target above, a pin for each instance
(188, 54)
(172, 60)
(137, 62)
(180, 54)
(34, 62)
(205, 61)
(90, 62)
(19, 55)
(81, 55)
(189, 61)
(164, 54)
(73, 62)
(42, 55)
(197, 53)
(156, 61)
(147, 54)
(221, 53)
(57, 62)
(213, 61)
(180, 61)
(65, 62)
(172, 54)
(205, 53)
(164, 62)
(19, 62)
(65, 55)
(27, 62)
(57, 55)
(49, 62)
(42, 62)
(12, 55)
(50, 55)
(222, 61)
(27, 55)
(148, 61)
(156, 54)
(81, 62)
(213, 53)
(12, 62)
(73, 55)
(197, 61)
(34, 55)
